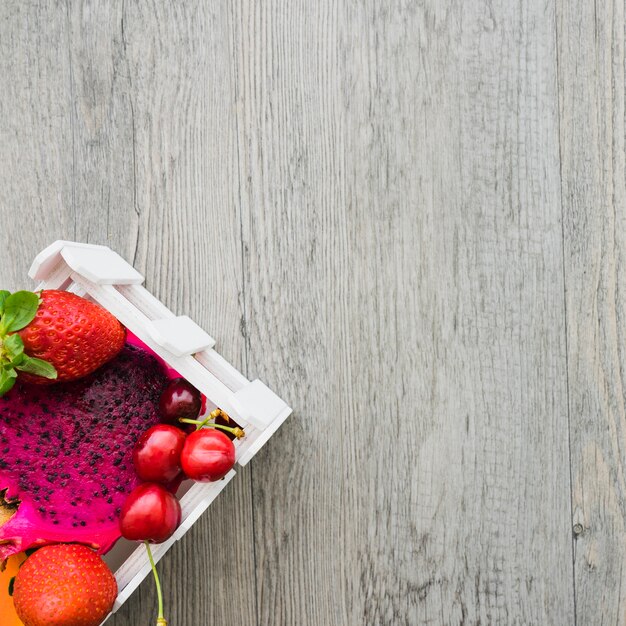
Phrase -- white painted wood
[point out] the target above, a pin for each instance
(51, 256)
(59, 277)
(254, 441)
(220, 367)
(196, 501)
(180, 336)
(99, 264)
(102, 266)
(258, 405)
(142, 299)
(154, 309)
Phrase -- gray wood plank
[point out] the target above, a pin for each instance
(591, 84)
(35, 135)
(403, 250)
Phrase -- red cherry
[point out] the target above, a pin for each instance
(180, 399)
(157, 453)
(208, 455)
(150, 513)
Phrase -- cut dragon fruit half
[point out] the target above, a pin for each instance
(66, 453)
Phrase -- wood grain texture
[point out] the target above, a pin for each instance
(403, 247)
(591, 81)
(35, 135)
(406, 218)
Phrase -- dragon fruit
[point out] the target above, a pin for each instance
(66, 453)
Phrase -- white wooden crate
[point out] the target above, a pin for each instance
(102, 275)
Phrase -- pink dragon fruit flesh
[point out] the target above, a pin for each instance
(66, 453)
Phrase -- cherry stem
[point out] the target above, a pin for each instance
(160, 619)
(238, 432)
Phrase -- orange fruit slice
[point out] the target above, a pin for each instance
(7, 610)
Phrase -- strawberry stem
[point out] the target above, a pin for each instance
(161, 621)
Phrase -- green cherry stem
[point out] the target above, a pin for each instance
(204, 422)
(212, 415)
(237, 432)
(161, 621)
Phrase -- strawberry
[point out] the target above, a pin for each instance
(64, 585)
(54, 336)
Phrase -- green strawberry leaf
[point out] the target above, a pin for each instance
(14, 346)
(4, 294)
(20, 309)
(6, 381)
(18, 359)
(38, 367)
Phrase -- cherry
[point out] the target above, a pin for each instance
(150, 513)
(157, 453)
(180, 399)
(208, 455)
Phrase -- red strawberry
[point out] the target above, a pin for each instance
(54, 335)
(64, 585)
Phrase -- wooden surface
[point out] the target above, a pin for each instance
(409, 219)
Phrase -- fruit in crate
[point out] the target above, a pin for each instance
(64, 585)
(54, 336)
(180, 399)
(150, 513)
(208, 455)
(66, 453)
(157, 453)
(67, 471)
